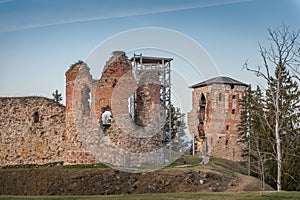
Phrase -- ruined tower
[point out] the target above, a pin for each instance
(153, 96)
(214, 117)
(128, 139)
(147, 96)
(85, 100)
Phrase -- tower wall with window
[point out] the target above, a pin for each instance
(214, 118)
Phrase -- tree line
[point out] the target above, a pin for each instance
(270, 118)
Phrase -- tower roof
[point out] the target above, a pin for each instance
(218, 80)
(150, 60)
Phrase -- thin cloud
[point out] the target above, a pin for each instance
(137, 12)
(5, 1)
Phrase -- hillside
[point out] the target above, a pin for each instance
(185, 175)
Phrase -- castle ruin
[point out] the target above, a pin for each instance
(214, 117)
(38, 130)
(130, 137)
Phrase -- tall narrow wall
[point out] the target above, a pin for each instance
(79, 91)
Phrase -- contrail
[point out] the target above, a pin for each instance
(129, 14)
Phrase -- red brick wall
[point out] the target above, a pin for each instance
(148, 99)
(218, 118)
(113, 89)
(77, 77)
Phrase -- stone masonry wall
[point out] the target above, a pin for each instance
(32, 131)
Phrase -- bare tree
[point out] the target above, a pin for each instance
(283, 54)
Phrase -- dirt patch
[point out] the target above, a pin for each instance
(247, 183)
(72, 181)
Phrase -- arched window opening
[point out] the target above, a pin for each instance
(201, 116)
(220, 96)
(114, 83)
(106, 117)
(86, 100)
(226, 142)
(202, 105)
(233, 111)
(36, 117)
(131, 105)
(202, 100)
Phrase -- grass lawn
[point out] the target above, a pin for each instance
(170, 196)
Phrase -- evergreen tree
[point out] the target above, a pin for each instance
(57, 97)
(244, 126)
(180, 141)
(252, 132)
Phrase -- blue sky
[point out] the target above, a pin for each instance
(40, 39)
